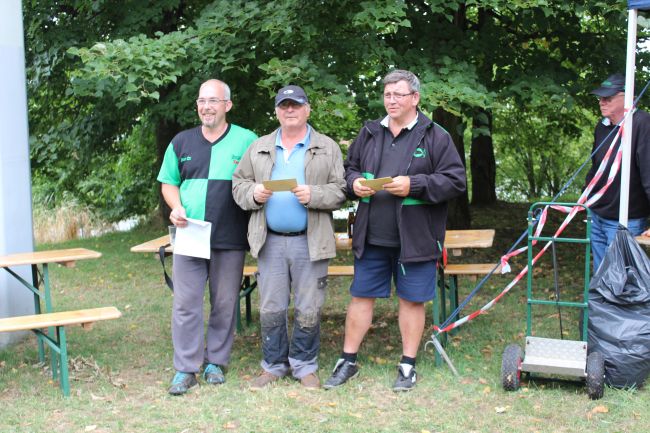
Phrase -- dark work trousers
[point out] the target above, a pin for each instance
(223, 272)
(285, 267)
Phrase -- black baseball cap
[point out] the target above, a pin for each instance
(295, 93)
(611, 86)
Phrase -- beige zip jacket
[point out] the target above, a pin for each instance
(323, 173)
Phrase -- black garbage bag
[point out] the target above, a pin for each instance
(619, 312)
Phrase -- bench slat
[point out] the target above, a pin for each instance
(37, 321)
(333, 271)
(340, 271)
(470, 268)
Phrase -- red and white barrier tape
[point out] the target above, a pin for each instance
(572, 211)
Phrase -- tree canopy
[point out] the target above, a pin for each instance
(111, 82)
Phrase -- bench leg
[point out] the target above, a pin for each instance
(58, 348)
(453, 297)
(245, 292)
(63, 361)
(37, 310)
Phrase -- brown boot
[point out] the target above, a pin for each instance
(311, 381)
(263, 380)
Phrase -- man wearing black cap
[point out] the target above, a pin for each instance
(605, 211)
(291, 234)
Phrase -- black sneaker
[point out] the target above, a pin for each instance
(213, 374)
(181, 383)
(343, 371)
(404, 382)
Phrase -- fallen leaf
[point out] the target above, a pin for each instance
(500, 409)
(487, 390)
(466, 381)
(331, 404)
(600, 409)
(96, 397)
(292, 394)
(231, 425)
(482, 381)
(425, 431)
(90, 428)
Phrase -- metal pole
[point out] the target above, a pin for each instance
(626, 140)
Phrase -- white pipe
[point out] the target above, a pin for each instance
(626, 141)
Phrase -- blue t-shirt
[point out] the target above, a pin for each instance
(284, 213)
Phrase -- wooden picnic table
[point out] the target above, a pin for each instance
(66, 257)
(455, 240)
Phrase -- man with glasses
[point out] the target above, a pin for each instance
(196, 177)
(399, 228)
(605, 212)
(291, 234)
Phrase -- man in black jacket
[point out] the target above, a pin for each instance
(400, 227)
(605, 211)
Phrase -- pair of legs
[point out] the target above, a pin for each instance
(411, 319)
(223, 272)
(285, 267)
(415, 284)
(603, 232)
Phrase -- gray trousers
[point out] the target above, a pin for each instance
(284, 267)
(223, 272)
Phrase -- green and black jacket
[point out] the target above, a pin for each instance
(203, 172)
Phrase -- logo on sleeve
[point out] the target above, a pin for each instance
(420, 153)
(235, 159)
(186, 158)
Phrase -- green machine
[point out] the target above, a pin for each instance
(549, 356)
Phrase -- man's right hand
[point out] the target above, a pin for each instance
(178, 216)
(361, 190)
(260, 194)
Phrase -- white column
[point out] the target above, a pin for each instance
(626, 140)
(15, 181)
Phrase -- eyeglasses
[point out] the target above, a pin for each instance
(608, 99)
(396, 96)
(212, 102)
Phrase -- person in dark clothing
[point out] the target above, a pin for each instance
(399, 230)
(605, 211)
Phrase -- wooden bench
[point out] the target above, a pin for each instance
(38, 322)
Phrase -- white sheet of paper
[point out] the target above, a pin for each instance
(194, 239)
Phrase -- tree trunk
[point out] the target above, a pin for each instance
(165, 131)
(459, 216)
(482, 162)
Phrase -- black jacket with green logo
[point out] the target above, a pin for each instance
(436, 173)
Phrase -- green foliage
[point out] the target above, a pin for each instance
(538, 153)
(99, 69)
(123, 187)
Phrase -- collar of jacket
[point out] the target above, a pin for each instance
(375, 126)
(267, 142)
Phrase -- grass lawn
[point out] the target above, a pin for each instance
(120, 370)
